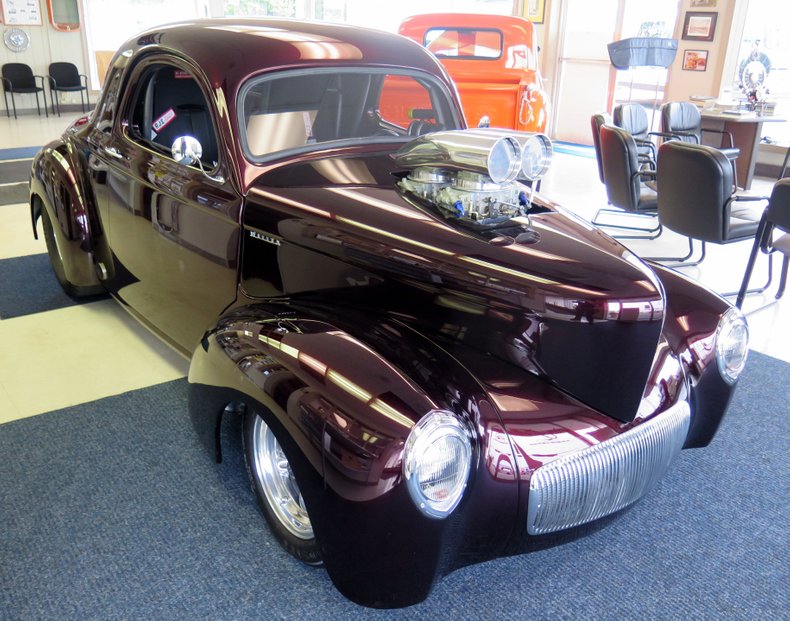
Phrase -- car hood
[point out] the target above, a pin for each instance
(569, 303)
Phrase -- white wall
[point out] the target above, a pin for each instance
(46, 45)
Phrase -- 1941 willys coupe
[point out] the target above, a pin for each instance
(434, 365)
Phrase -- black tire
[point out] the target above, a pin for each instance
(56, 260)
(288, 520)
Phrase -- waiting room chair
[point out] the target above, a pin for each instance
(623, 178)
(598, 120)
(682, 120)
(776, 217)
(696, 198)
(18, 78)
(64, 77)
(633, 119)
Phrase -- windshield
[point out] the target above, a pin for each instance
(298, 110)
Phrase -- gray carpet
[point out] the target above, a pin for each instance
(17, 173)
(28, 285)
(111, 510)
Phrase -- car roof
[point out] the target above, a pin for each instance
(229, 51)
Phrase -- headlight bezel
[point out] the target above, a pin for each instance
(731, 321)
(434, 427)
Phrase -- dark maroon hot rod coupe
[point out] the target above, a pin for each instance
(434, 365)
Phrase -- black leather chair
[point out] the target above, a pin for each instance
(775, 217)
(682, 120)
(633, 119)
(18, 78)
(65, 77)
(623, 178)
(598, 120)
(696, 198)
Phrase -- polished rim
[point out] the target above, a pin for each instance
(278, 482)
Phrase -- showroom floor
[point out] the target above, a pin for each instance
(56, 350)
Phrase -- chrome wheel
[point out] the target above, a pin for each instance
(278, 483)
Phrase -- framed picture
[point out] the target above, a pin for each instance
(695, 60)
(700, 26)
(535, 10)
(21, 12)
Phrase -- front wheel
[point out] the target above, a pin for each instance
(277, 490)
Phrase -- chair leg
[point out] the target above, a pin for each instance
(747, 276)
(88, 100)
(13, 103)
(783, 279)
(785, 163)
(38, 106)
(56, 101)
(7, 109)
(82, 102)
(44, 95)
(657, 229)
(683, 261)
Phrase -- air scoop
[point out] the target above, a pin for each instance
(472, 176)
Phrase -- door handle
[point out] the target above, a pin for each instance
(113, 152)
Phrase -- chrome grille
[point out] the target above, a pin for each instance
(607, 477)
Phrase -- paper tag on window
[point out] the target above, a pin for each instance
(308, 126)
(181, 75)
(162, 122)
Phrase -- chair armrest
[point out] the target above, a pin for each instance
(723, 133)
(680, 135)
(53, 83)
(6, 84)
(650, 174)
(667, 135)
(84, 80)
(648, 144)
(748, 197)
(40, 77)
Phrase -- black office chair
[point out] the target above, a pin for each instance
(775, 217)
(66, 78)
(633, 119)
(682, 120)
(19, 78)
(696, 198)
(623, 178)
(598, 120)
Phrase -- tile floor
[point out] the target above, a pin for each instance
(73, 355)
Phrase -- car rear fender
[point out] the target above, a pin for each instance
(57, 186)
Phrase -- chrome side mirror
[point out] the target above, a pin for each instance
(484, 121)
(186, 150)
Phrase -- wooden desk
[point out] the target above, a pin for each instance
(746, 130)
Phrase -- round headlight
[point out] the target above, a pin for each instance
(732, 344)
(503, 160)
(536, 157)
(436, 463)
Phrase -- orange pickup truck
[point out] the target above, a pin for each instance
(493, 61)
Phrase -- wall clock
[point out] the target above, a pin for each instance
(16, 40)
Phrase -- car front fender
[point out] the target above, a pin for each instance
(345, 410)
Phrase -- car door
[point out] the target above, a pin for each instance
(173, 227)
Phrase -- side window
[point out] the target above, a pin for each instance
(168, 104)
(406, 103)
(105, 112)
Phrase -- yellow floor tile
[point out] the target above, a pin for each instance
(78, 354)
(8, 411)
(16, 233)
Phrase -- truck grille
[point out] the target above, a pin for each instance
(607, 477)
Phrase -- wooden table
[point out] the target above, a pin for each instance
(746, 130)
